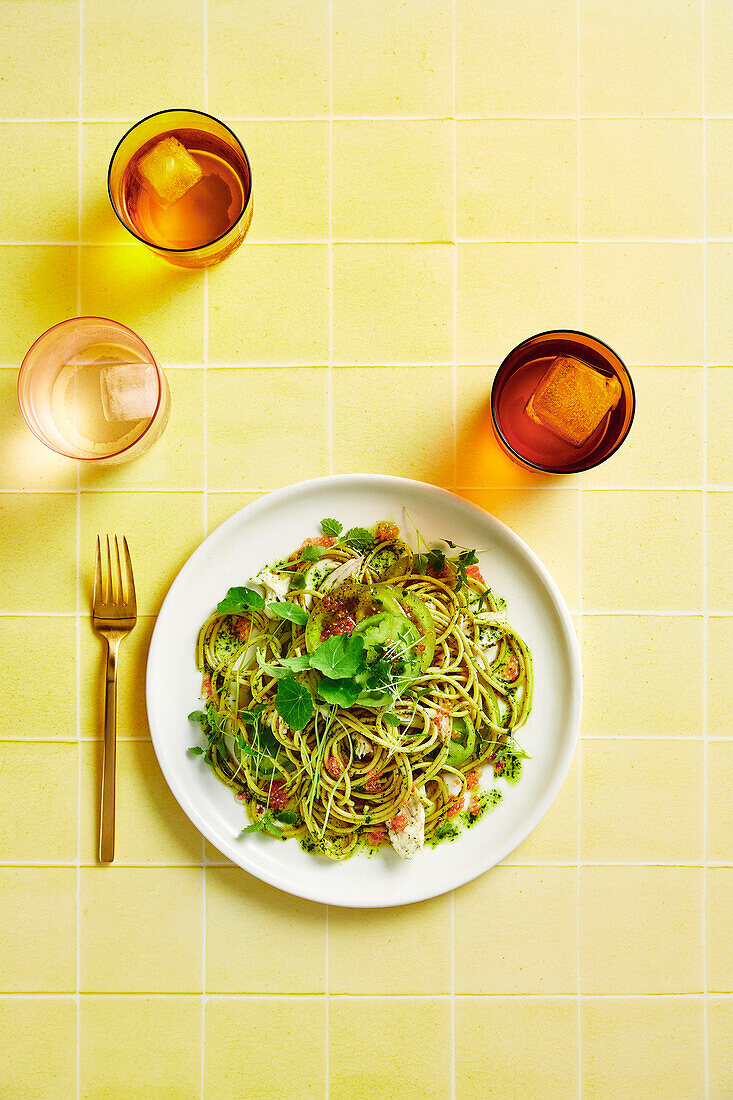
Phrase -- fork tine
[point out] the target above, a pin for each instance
(131, 598)
(98, 595)
(110, 588)
(121, 597)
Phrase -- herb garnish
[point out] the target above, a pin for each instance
(331, 527)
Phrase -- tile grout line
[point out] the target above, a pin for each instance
(579, 1020)
(704, 547)
(454, 389)
(126, 120)
(411, 242)
(327, 920)
(78, 575)
(205, 442)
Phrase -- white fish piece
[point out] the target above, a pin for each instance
(276, 585)
(343, 572)
(406, 842)
(316, 575)
(441, 721)
(362, 747)
(452, 782)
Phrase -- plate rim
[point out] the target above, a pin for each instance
(462, 875)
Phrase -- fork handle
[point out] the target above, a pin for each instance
(109, 766)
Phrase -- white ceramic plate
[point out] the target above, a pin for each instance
(266, 530)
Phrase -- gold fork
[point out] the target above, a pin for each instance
(114, 614)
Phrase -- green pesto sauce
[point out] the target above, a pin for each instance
(486, 802)
(512, 767)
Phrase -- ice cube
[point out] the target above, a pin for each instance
(168, 171)
(129, 391)
(572, 398)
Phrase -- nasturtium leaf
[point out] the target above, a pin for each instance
(287, 817)
(275, 671)
(286, 610)
(340, 656)
(343, 693)
(294, 703)
(238, 600)
(297, 664)
(390, 719)
(297, 582)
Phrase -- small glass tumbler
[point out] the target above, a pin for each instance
(90, 389)
(180, 182)
(568, 373)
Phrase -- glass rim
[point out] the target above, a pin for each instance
(24, 366)
(160, 247)
(558, 469)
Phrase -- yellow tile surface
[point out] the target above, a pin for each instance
(268, 59)
(132, 719)
(290, 179)
(720, 1047)
(537, 1054)
(507, 292)
(622, 532)
(666, 278)
(121, 80)
(415, 1061)
(642, 801)
(399, 444)
(634, 1048)
(425, 197)
(720, 670)
(642, 657)
(269, 304)
(664, 446)
(398, 64)
(150, 826)
(518, 75)
(39, 804)
(640, 930)
(523, 899)
(133, 1046)
(242, 457)
(270, 1047)
(50, 57)
(386, 963)
(641, 178)
(40, 161)
(720, 426)
(720, 551)
(640, 59)
(393, 179)
(38, 918)
(29, 1026)
(392, 303)
(130, 907)
(237, 909)
(516, 179)
(51, 685)
(718, 908)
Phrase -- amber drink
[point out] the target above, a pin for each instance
(181, 182)
(562, 402)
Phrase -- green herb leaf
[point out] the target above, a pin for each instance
(255, 827)
(269, 826)
(294, 703)
(286, 610)
(359, 538)
(238, 600)
(297, 664)
(343, 693)
(311, 553)
(287, 817)
(340, 656)
(275, 671)
(390, 719)
(198, 716)
(331, 527)
(196, 750)
(297, 582)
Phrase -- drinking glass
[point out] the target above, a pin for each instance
(534, 443)
(200, 222)
(90, 389)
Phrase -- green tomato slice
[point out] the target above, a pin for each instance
(462, 743)
(398, 636)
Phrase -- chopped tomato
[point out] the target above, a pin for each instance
(454, 806)
(334, 767)
(442, 718)
(398, 823)
(241, 796)
(376, 836)
(242, 629)
(323, 540)
(475, 572)
(372, 783)
(206, 686)
(498, 767)
(386, 531)
(472, 780)
(277, 798)
(511, 670)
